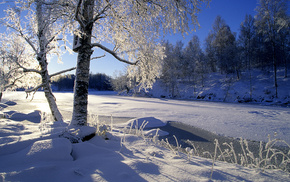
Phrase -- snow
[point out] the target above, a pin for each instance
(31, 149)
(221, 87)
(154, 132)
(143, 122)
(45, 150)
